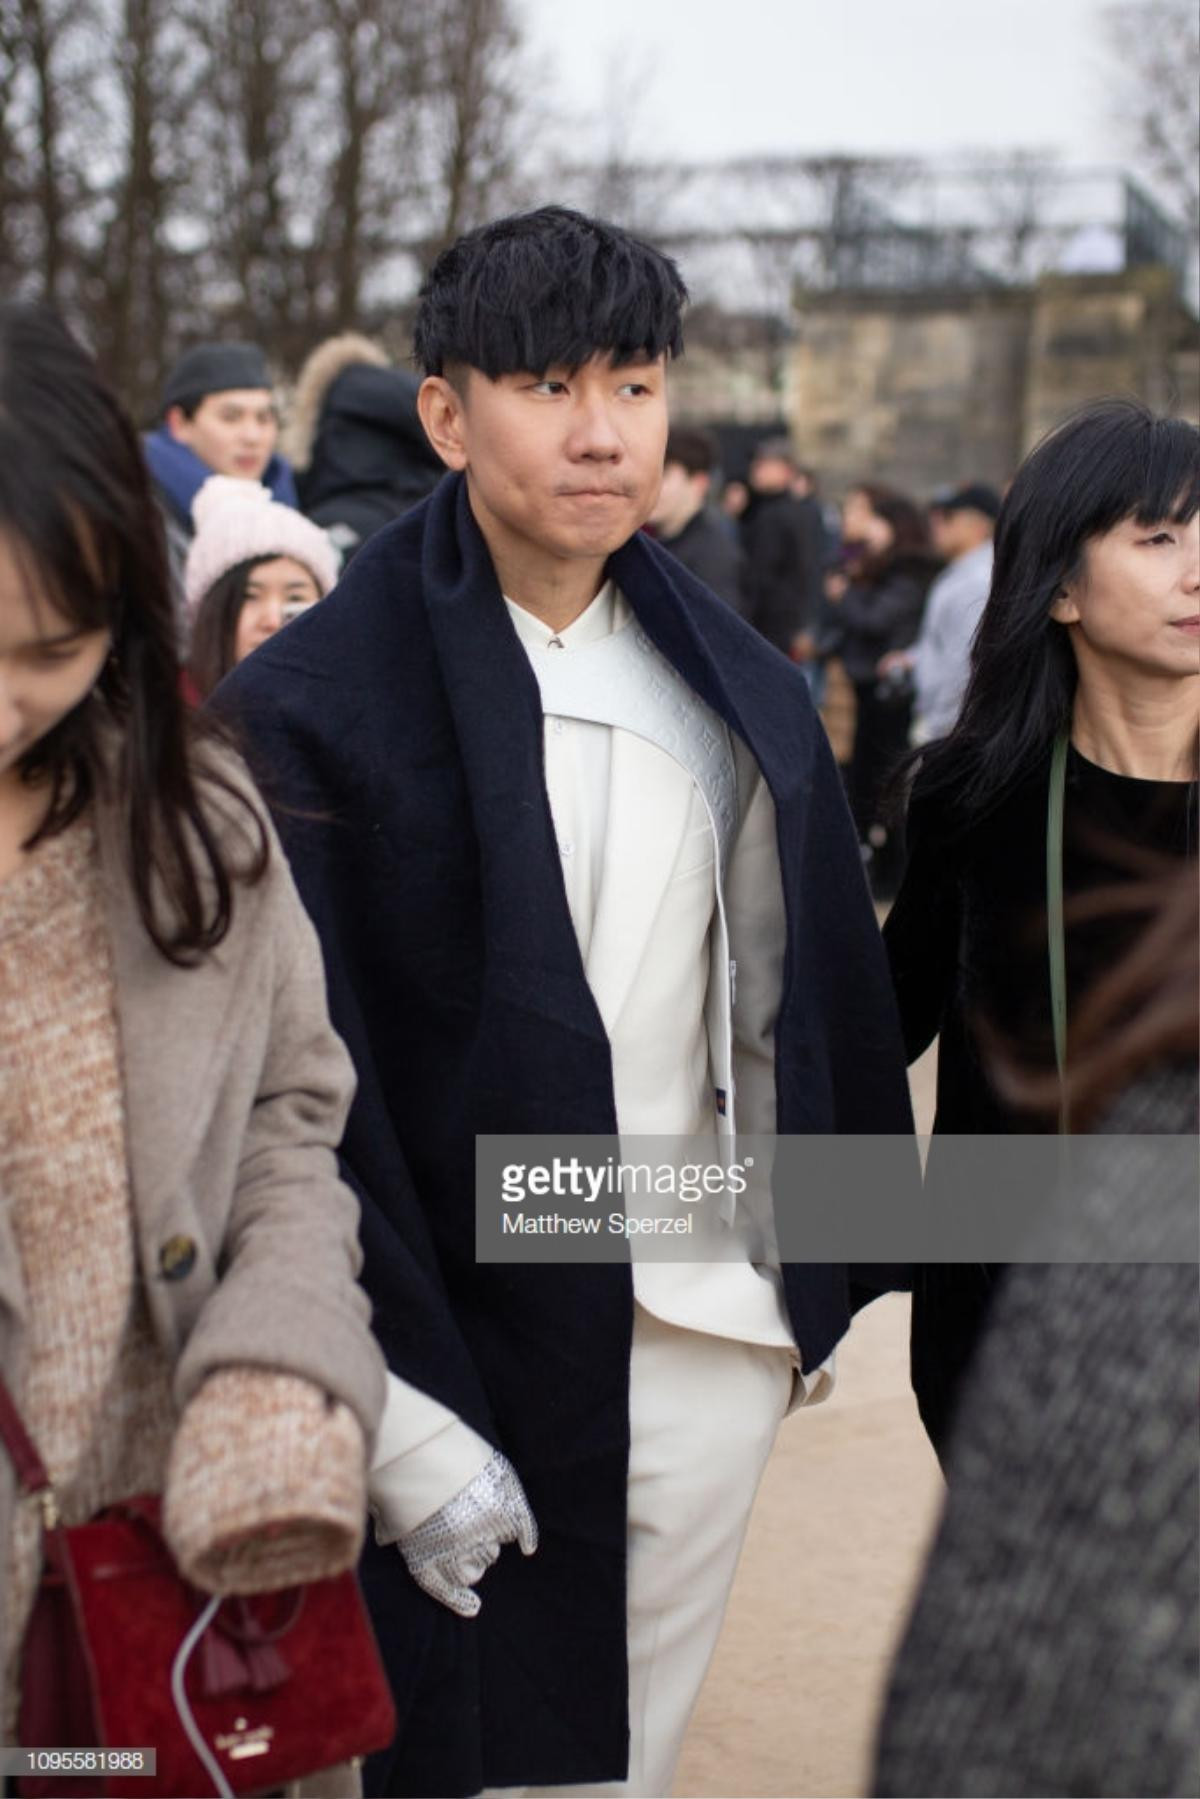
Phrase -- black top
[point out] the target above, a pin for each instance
(967, 935)
(882, 614)
(712, 554)
(784, 541)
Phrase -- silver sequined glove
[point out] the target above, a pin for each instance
(455, 1547)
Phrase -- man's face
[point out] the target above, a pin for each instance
(565, 464)
(771, 474)
(234, 431)
(679, 499)
(956, 532)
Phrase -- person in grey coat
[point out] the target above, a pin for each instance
(961, 524)
(179, 1313)
(1055, 1643)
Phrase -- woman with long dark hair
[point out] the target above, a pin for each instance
(178, 1307)
(889, 573)
(1085, 682)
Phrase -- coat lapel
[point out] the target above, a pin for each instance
(705, 641)
(646, 824)
(533, 951)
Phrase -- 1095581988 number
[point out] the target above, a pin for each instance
(86, 1761)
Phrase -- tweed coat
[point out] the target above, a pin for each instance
(235, 1092)
(400, 725)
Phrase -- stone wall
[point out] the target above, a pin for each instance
(924, 389)
(1105, 334)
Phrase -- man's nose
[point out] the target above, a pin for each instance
(594, 432)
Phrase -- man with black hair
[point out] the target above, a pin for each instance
(544, 795)
(682, 520)
(219, 418)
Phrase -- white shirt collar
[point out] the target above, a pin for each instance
(604, 615)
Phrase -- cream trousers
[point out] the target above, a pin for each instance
(703, 1413)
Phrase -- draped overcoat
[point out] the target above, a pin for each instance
(398, 729)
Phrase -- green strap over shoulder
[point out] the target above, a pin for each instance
(1055, 940)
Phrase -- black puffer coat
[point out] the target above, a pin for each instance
(370, 459)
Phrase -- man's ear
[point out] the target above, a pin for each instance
(173, 419)
(1063, 607)
(440, 407)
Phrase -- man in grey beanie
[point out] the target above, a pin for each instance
(218, 419)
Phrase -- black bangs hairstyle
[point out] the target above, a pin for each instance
(79, 515)
(547, 289)
(1110, 461)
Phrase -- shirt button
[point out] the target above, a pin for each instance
(559, 727)
(567, 849)
(177, 1258)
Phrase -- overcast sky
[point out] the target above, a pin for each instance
(700, 78)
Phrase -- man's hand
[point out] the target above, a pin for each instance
(894, 663)
(455, 1547)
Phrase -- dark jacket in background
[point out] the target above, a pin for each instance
(706, 548)
(371, 459)
(784, 541)
(883, 614)
(399, 723)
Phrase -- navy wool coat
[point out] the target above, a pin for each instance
(397, 727)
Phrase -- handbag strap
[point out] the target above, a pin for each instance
(31, 1470)
(1055, 937)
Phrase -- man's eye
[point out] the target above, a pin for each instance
(550, 387)
(635, 387)
(1160, 537)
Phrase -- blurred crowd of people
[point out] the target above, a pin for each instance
(884, 589)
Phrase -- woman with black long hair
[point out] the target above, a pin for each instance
(1082, 708)
(178, 1308)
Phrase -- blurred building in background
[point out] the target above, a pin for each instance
(931, 322)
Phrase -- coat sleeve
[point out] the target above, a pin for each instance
(413, 1317)
(874, 614)
(921, 934)
(288, 1297)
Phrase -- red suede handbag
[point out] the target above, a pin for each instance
(235, 1696)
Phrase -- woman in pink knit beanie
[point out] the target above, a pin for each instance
(252, 565)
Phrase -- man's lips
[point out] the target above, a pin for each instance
(1190, 625)
(594, 493)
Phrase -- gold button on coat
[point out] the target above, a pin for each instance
(177, 1258)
